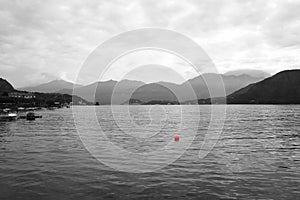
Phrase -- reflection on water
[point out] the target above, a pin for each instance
(257, 157)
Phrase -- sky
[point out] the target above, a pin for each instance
(43, 40)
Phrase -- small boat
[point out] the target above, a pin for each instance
(30, 116)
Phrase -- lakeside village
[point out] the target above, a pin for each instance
(22, 105)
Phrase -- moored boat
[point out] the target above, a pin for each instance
(8, 117)
(30, 116)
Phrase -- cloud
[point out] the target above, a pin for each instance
(282, 28)
(164, 67)
(55, 37)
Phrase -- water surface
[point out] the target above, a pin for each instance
(256, 157)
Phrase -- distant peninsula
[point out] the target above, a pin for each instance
(12, 98)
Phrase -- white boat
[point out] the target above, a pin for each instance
(8, 117)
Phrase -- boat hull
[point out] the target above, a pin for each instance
(7, 118)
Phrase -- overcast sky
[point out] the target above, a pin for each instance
(45, 40)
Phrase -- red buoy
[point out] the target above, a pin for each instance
(176, 138)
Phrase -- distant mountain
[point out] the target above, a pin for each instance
(249, 72)
(282, 88)
(103, 92)
(5, 86)
(153, 92)
(53, 86)
(231, 83)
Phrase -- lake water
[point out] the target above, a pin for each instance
(257, 156)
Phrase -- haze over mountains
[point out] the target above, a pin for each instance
(250, 72)
(50, 87)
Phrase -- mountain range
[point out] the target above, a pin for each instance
(124, 90)
(283, 87)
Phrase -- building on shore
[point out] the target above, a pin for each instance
(21, 95)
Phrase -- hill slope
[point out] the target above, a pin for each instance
(5, 86)
(153, 92)
(282, 88)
